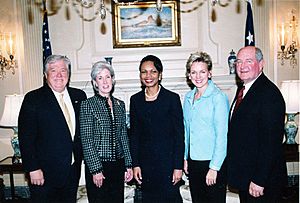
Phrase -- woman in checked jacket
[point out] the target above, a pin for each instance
(104, 139)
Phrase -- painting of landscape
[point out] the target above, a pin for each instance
(142, 25)
(150, 24)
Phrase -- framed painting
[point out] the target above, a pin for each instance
(142, 25)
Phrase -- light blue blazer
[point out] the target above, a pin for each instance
(206, 125)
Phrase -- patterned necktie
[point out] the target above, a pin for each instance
(66, 112)
(239, 98)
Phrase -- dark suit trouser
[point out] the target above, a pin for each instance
(270, 196)
(150, 198)
(67, 193)
(112, 189)
(200, 192)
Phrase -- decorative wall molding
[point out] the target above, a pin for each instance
(31, 45)
(266, 42)
(198, 33)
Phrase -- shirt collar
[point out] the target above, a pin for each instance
(249, 84)
(65, 93)
(208, 91)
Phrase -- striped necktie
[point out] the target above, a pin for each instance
(239, 98)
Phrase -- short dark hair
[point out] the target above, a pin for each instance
(156, 61)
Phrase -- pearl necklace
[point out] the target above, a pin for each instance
(154, 96)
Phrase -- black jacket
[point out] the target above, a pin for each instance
(44, 136)
(255, 138)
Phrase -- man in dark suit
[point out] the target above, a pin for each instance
(49, 135)
(256, 165)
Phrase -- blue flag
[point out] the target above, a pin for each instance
(46, 39)
(249, 31)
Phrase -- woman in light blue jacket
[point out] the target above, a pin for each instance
(205, 110)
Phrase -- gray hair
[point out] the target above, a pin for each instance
(54, 58)
(258, 54)
(198, 57)
(97, 68)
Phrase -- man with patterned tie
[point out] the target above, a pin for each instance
(48, 133)
(256, 166)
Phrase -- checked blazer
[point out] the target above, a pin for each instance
(97, 132)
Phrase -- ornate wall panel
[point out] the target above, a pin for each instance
(88, 42)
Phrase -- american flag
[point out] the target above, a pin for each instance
(249, 32)
(46, 39)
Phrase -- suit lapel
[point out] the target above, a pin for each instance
(255, 87)
(54, 107)
(51, 101)
(250, 95)
(117, 107)
(98, 106)
(75, 102)
(101, 111)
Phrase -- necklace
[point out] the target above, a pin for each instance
(153, 96)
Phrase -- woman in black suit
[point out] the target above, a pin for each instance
(104, 139)
(157, 136)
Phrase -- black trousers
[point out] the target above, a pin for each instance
(200, 192)
(149, 198)
(112, 189)
(66, 193)
(152, 198)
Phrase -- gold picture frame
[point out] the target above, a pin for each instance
(141, 25)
